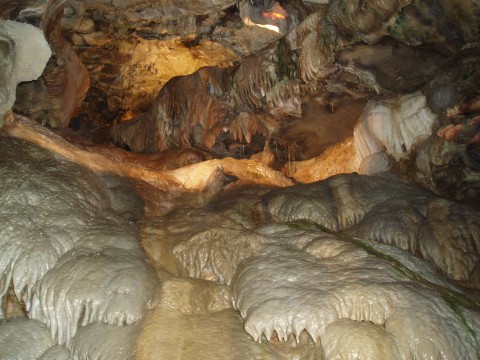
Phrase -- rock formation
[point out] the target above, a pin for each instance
(239, 179)
(18, 41)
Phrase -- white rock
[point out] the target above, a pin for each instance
(375, 163)
(113, 286)
(101, 341)
(22, 339)
(45, 205)
(288, 290)
(394, 126)
(18, 42)
(389, 210)
(69, 256)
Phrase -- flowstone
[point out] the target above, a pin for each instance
(288, 289)
(72, 260)
(22, 338)
(390, 210)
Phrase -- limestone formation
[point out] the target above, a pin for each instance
(17, 42)
(394, 128)
(23, 339)
(331, 279)
(387, 209)
(198, 197)
(61, 252)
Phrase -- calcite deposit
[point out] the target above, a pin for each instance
(394, 128)
(389, 210)
(17, 41)
(61, 254)
(328, 280)
(253, 249)
(23, 339)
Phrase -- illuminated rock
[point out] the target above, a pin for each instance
(165, 39)
(51, 214)
(337, 159)
(113, 286)
(394, 127)
(226, 105)
(70, 258)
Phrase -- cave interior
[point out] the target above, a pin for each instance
(239, 179)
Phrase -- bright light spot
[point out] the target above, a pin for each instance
(273, 15)
(249, 22)
(270, 27)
